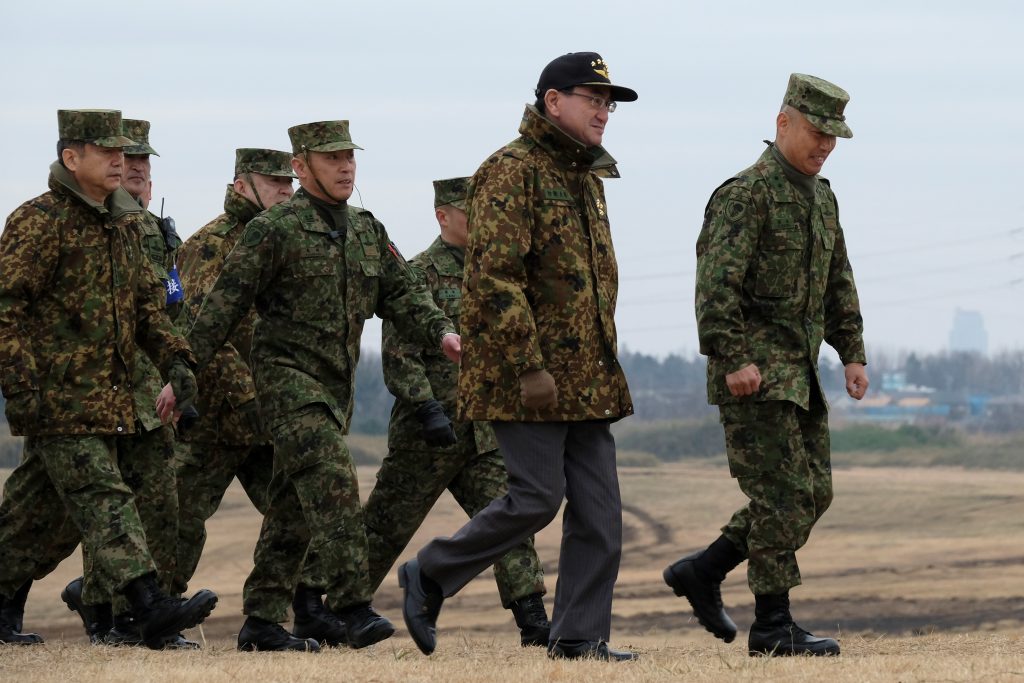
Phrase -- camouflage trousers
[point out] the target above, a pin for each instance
(779, 455)
(66, 489)
(315, 517)
(410, 482)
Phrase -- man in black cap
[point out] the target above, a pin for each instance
(539, 361)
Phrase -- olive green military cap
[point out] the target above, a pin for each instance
(138, 131)
(821, 102)
(264, 162)
(101, 127)
(451, 191)
(321, 136)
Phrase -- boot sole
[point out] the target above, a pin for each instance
(309, 646)
(193, 612)
(779, 651)
(678, 587)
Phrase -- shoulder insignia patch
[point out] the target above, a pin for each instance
(254, 233)
(735, 211)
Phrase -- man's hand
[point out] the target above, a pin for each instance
(22, 410)
(451, 344)
(537, 390)
(437, 428)
(856, 380)
(745, 381)
(165, 403)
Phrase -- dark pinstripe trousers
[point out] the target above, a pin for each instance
(548, 462)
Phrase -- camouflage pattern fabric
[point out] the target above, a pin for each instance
(263, 161)
(313, 288)
(226, 383)
(321, 136)
(137, 131)
(821, 102)
(204, 471)
(76, 301)
(541, 282)
(773, 281)
(71, 478)
(101, 127)
(779, 454)
(413, 474)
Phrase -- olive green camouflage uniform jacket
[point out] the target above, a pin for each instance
(226, 383)
(541, 282)
(773, 281)
(313, 288)
(162, 252)
(414, 373)
(77, 300)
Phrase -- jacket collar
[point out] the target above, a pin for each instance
(118, 204)
(563, 147)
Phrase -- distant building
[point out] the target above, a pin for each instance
(968, 333)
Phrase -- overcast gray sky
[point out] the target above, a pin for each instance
(929, 187)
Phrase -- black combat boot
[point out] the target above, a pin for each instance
(97, 619)
(12, 617)
(699, 577)
(532, 620)
(124, 632)
(363, 626)
(260, 635)
(160, 616)
(314, 620)
(775, 633)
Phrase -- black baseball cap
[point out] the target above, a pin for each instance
(580, 68)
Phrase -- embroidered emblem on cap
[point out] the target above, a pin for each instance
(600, 68)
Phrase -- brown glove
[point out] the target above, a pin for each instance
(537, 390)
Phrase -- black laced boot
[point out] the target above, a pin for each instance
(97, 619)
(12, 617)
(699, 577)
(314, 620)
(532, 620)
(774, 633)
(363, 626)
(160, 617)
(260, 635)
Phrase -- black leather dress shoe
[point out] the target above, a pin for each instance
(705, 596)
(420, 606)
(266, 636)
(588, 649)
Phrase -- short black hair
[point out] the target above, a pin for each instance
(77, 145)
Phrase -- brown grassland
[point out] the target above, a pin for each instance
(918, 571)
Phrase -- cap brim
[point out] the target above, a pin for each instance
(140, 149)
(830, 126)
(619, 93)
(334, 147)
(113, 141)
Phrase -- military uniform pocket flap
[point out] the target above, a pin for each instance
(315, 266)
(828, 239)
(782, 238)
(371, 268)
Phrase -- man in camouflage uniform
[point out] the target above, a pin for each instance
(79, 306)
(146, 462)
(773, 282)
(427, 453)
(540, 361)
(315, 269)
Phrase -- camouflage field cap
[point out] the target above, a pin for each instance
(451, 191)
(137, 130)
(321, 136)
(580, 68)
(264, 162)
(821, 102)
(101, 127)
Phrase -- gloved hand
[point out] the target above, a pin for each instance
(437, 428)
(188, 419)
(537, 390)
(22, 410)
(183, 384)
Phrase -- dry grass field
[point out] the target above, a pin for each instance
(919, 572)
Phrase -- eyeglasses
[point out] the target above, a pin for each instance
(596, 101)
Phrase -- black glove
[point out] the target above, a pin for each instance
(183, 384)
(22, 410)
(437, 428)
(249, 412)
(187, 420)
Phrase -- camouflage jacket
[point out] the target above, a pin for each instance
(161, 252)
(77, 300)
(773, 281)
(541, 282)
(226, 382)
(414, 373)
(313, 288)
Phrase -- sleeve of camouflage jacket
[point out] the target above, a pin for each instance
(405, 372)
(725, 249)
(501, 232)
(154, 330)
(28, 256)
(844, 326)
(405, 301)
(246, 271)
